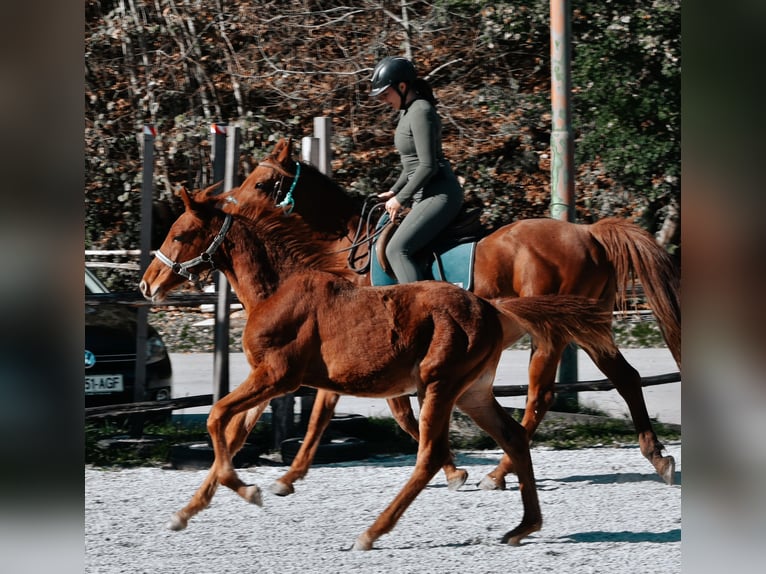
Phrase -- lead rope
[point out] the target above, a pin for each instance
(288, 203)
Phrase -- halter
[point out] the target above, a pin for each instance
(206, 256)
(288, 203)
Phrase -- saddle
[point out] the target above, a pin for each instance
(465, 228)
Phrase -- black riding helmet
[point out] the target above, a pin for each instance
(390, 71)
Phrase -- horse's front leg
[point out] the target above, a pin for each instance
(401, 409)
(241, 425)
(321, 414)
(543, 364)
(253, 393)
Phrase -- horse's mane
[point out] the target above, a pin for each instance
(321, 200)
(287, 234)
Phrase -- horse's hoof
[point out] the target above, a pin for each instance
(668, 472)
(280, 488)
(490, 483)
(177, 522)
(253, 495)
(457, 481)
(514, 537)
(362, 543)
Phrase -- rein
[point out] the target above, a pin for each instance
(206, 256)
(364, 237)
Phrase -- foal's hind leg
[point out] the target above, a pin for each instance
(433, 450)
(321, 414)
(543, 364)
(481, 406)
(402, 411)
(627, 381)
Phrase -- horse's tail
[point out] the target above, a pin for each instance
(635, 254)
(559, 319)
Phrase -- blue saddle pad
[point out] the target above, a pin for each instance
(454, 265)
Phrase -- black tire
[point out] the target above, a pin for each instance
(200, 455)
(335, 450)
(346, 424)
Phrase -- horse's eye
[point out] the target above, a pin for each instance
(259, 185)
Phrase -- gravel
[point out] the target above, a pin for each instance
(603, 512)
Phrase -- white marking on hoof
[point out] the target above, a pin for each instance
(458, 481)
(669, 475)
(177, 522)
(489, 483)
(280, 488)
(253, 495)
(362, 543)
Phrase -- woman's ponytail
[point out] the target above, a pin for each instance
(424, 90)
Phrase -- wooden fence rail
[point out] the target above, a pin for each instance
(499, 391)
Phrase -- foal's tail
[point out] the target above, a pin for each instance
(558, 319)
(635, 254)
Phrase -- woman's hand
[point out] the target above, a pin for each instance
(392, 207)
(392, 204)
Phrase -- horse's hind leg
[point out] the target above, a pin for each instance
(321, 414)
(627, 381)
(543, 364)
(433, 450)
(402, 411)
(481, 406)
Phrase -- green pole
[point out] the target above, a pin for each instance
(562, 160)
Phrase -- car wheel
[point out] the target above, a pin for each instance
(335, 450)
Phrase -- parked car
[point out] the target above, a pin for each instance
(110, 353)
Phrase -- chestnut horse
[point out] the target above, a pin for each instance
(521, 259)
(307, 321)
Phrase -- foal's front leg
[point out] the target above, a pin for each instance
(253, 393)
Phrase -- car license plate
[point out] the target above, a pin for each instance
(103, 384)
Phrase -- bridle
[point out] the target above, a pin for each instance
(206, 256)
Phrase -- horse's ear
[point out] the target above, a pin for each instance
(212, 191)
(284, 150)
(185, 197)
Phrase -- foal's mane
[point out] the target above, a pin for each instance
(288, 237)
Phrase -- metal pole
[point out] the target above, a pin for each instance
(142, 314)
(224, 155)
(323, 131)
(562, 159)
(310, 150)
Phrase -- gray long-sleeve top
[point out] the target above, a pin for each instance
(419, 143)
